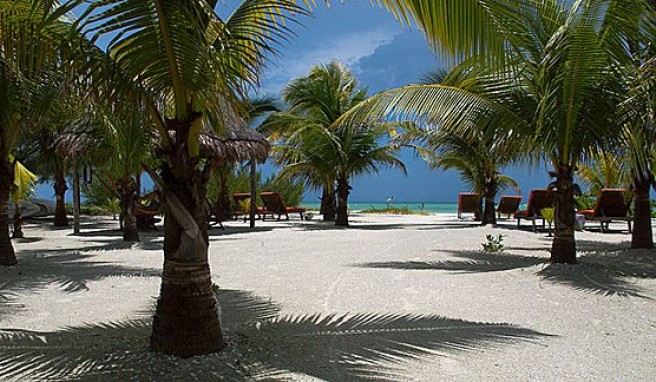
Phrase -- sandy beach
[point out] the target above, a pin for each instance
(407, 298)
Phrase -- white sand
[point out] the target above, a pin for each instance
(392, 298)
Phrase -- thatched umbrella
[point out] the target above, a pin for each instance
(237, 143)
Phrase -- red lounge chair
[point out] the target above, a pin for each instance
(469, 202)
(508, 205)
(612, 204)
(537, 200)
(274, 204)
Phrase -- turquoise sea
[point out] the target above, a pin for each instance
(431, 207)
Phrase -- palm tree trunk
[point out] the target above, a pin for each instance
(328, 203)
(7, 254)
(18, 223)
(186, 321)
(130, 229)
(490, 192)
(61, 220)
(342, 202)
(563, 248)
(642, 235)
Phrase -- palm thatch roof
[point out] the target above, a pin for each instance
(237, 143)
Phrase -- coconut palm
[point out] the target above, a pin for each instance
(316, 100)
(604, 169)
(326, 157)
(189, 67)
(638, 111)
(476, 155)
(550, 88)
(34, 43)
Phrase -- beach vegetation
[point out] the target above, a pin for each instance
(549, 214)
(553, 86)
(323, 155)
(405, 210)
(35, 43)
(493, 243)
(191, 69)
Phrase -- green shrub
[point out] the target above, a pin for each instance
(393, 210)
(493, 244)
(653, 208)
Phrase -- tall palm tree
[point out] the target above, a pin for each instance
(190, 68)
(326, 157)
(477, 153)
(316, 100)
(34, 43)
(550, 87)
(638, 111)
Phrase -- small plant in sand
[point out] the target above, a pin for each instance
(549, 214)
(114, 206)
(493, 243)
(245, 205)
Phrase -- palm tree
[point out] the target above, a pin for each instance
(189, 67)
(321, 155)
(604, 169)
(33, 40)
(476, 155)
(316, 100)
(638, 111)
(550, 87)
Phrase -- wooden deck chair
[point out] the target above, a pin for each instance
(612, 204)
(537, 200)
(469, 202)
(508, 205)
(274, 204)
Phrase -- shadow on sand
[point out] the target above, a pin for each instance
(261, 345)
(613, 271)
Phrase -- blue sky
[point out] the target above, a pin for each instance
(384, 55)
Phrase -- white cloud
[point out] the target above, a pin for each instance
(348, 48)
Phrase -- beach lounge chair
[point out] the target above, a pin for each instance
(612, 204)
(508, 205)
(537, 200)
(469, 202)
(274, 204)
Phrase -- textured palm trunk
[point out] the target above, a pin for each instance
(642, 235)
(18, 223)
(490, 192)
(7, 254)
(61, 220)
(186, 321)
(342, 202)
(130, 229)
(563, 248)
(328, 204)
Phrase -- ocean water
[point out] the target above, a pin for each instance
(430, 207)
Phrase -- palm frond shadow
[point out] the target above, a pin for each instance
(470, 262)
(260, 346)
(70, 270)
(606, 272)
(382, 227)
